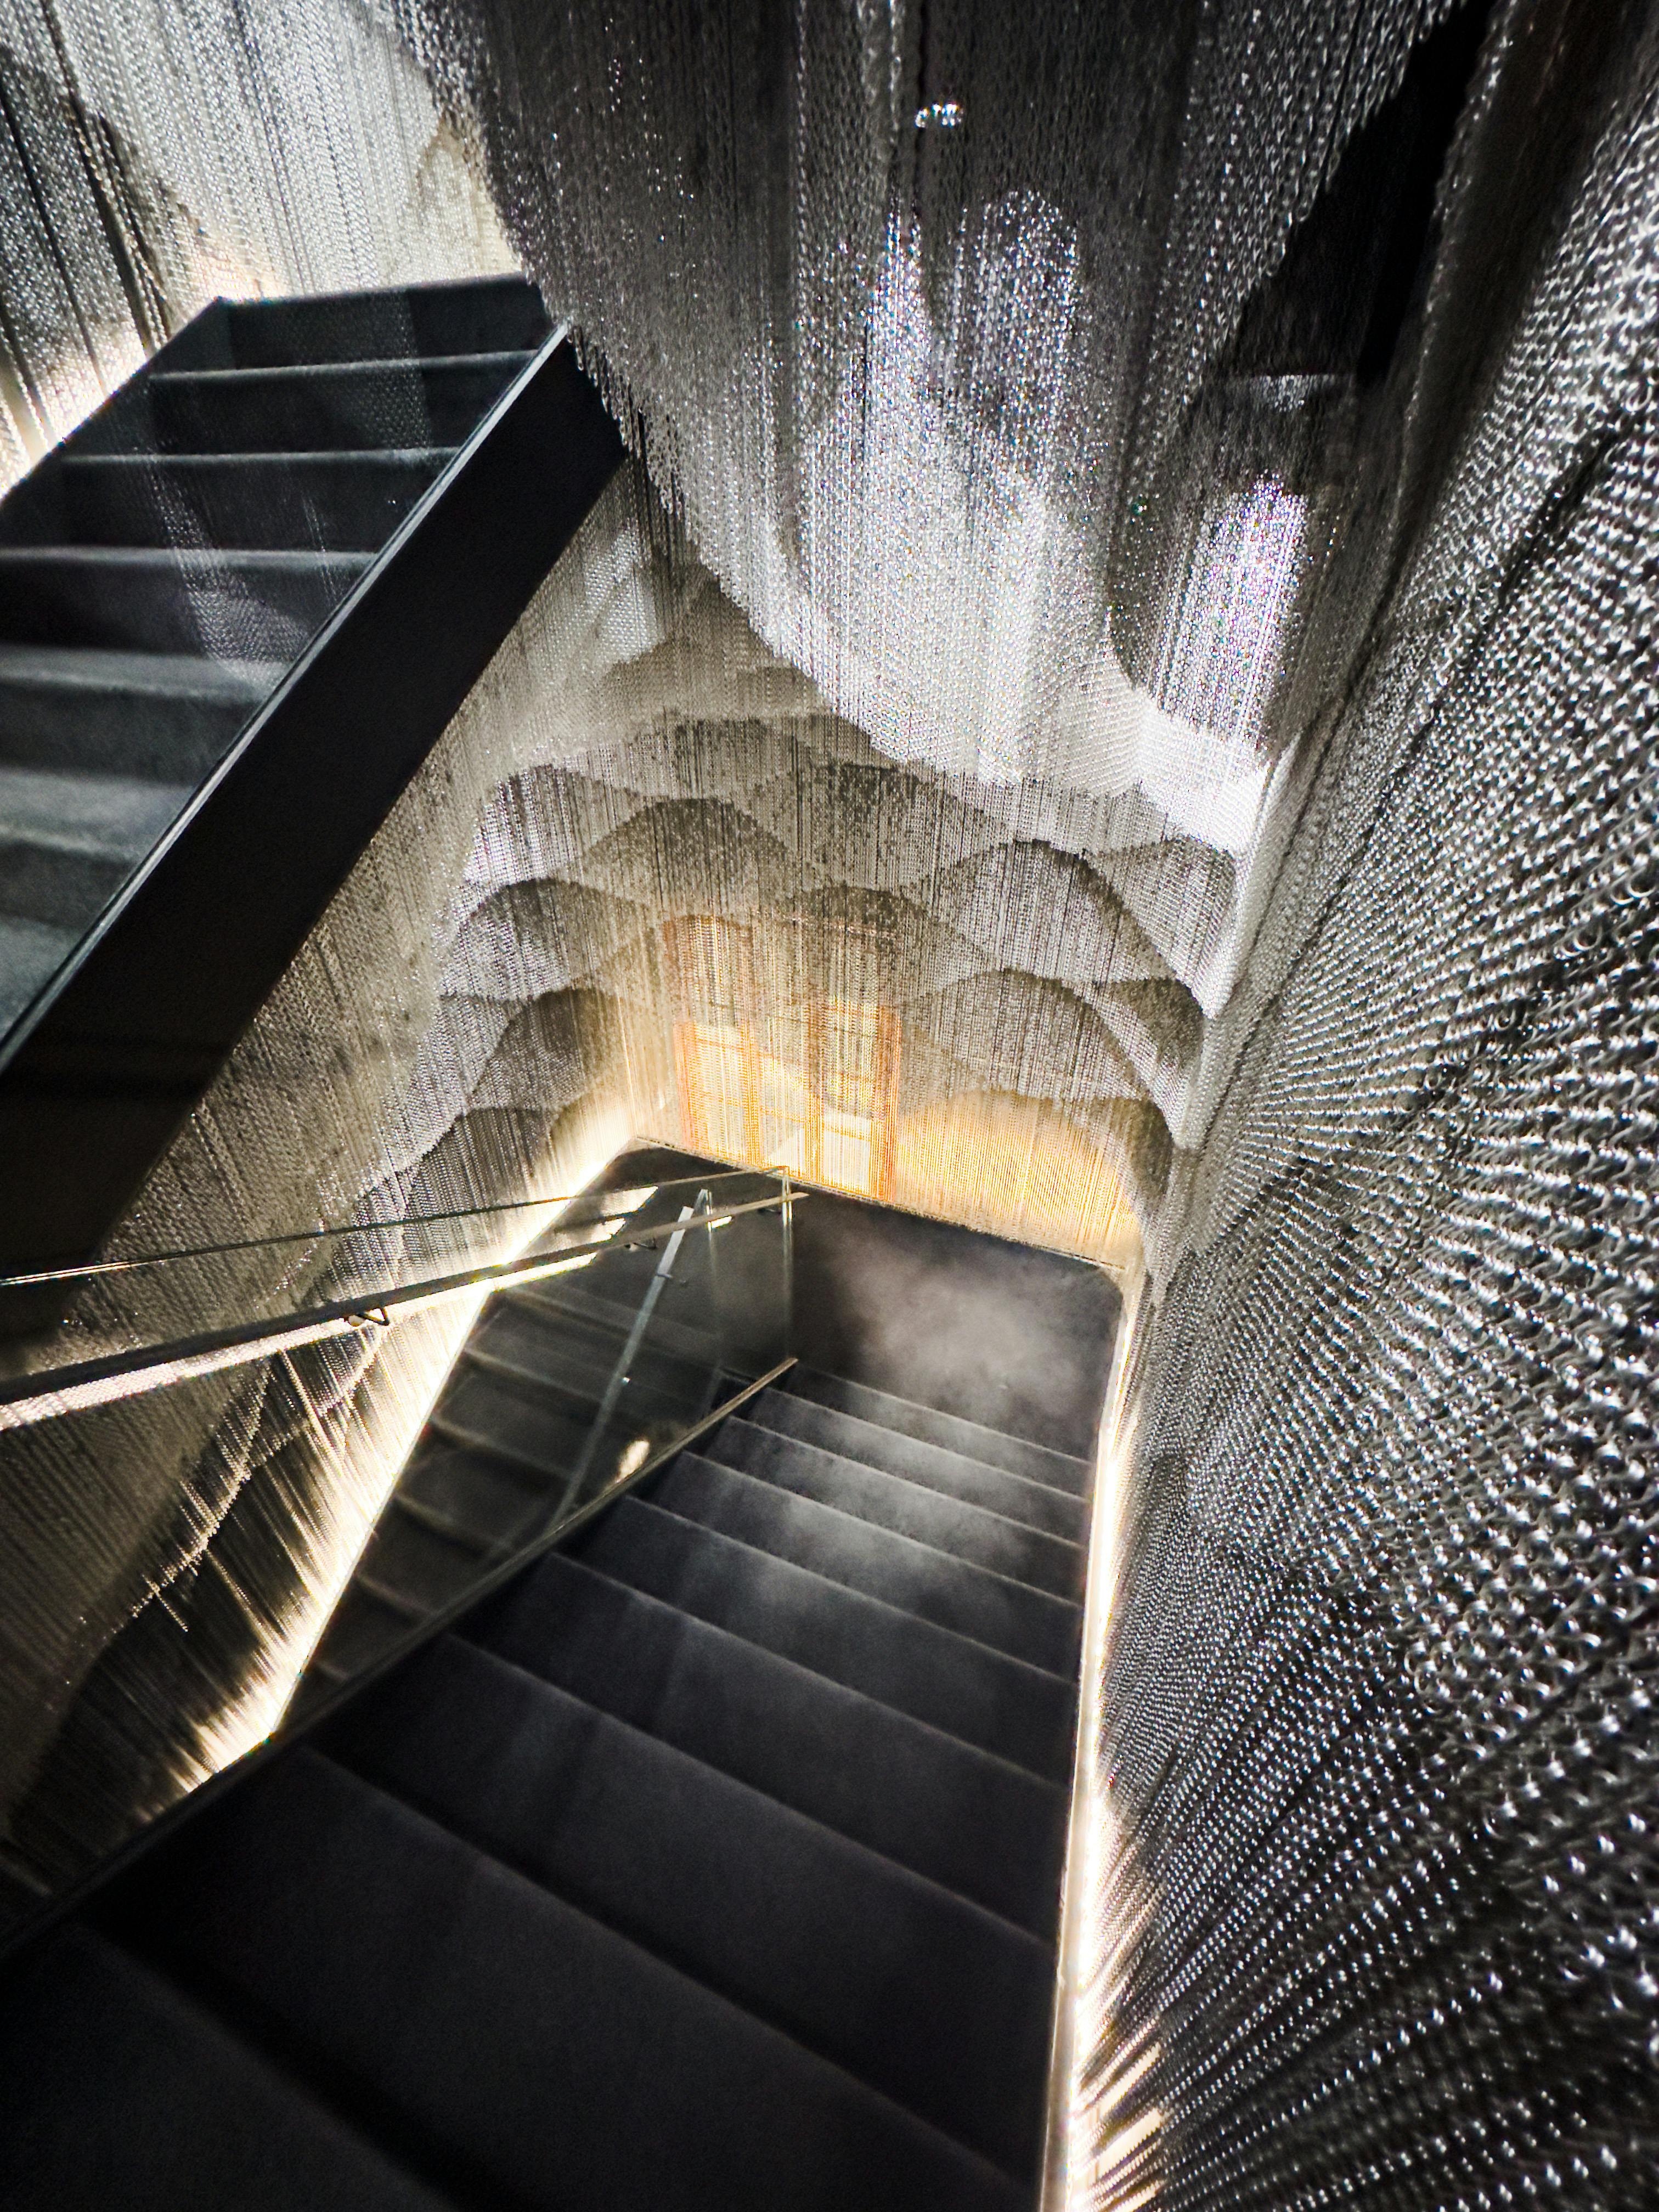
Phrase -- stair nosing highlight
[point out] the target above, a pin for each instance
(691, 1759)
(958, 1743)
(668, 1966)
(990, 1467)
(846, 1589)
(285, 457)
(369, 365)
(1082, 1461)
(966, 1504)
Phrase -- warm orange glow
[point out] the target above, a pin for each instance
(1014, 1166)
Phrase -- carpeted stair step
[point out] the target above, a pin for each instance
(118, 2090)
(579, 1302)
(535, 1430)
(311, 406)
(953, 1684)
(69, 843)
(904, 1417)
(489, 1498)
(928, 1516)
(30, 952)
(533, 1353)
(478, 315)
(226, 605)
(167, 716)
(519, 2043)
(1027, 1626)
(932, 2001)
(1035, 1504)
(990, 1830)
(330, 501)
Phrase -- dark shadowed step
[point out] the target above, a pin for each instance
(978, 1695)
(98, 711)
(480, 315)
(69, 843)
(326, 502)
(515, 2038)
(118, 2090)
(936, 1586)
(909, 1509)
(1037, 1462)
(396, 405)
(226, 605)
(977, 1825)
(935, 2002)
(1015, 1497)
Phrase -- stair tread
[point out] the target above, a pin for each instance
(161, 675)
(910, 1509)
(909, 1417)
(117, 2089)
(118, 815)
(936, 1467)
(1029, 1626)
(557, 2060)
(947, 1681)
(926, 1997)
(976, 1825)
(30, 951)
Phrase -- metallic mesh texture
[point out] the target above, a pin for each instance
(1375, 1907)
(1149, 675)
(154, 154)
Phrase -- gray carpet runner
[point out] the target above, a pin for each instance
(712, 1864)
(162, 570)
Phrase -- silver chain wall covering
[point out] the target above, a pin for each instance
(1129, 647)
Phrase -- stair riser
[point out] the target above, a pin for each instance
(486, 2013)
(949, 1473)
(436, 319)
(874, 1775)
(217, 611)
(943, 1680)
(29, 953)
(350, 504)
(313, 411)
(66, 889)
(1007, 1618)
(928, 1517)
(921, 1997)
(174, 740)
(903, 1418)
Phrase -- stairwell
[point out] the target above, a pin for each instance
(714, 1860)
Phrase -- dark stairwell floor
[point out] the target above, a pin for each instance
(713, 1862)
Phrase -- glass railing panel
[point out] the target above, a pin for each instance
(223, 1544)
(125, 1304)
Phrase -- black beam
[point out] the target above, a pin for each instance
(99, 1084)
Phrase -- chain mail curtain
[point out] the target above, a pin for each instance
(1145, 675)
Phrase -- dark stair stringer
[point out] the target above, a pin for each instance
(240, 604)
(712, 1864)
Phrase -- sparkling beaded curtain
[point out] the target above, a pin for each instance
(1201, 458)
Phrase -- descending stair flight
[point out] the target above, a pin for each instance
(162, 568)
(716, 1861)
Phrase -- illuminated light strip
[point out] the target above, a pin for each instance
(157, 1375)
(129, 1375)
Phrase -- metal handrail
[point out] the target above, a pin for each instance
(49, 1393)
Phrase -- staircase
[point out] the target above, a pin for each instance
(713, 1863)
(163, 569)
